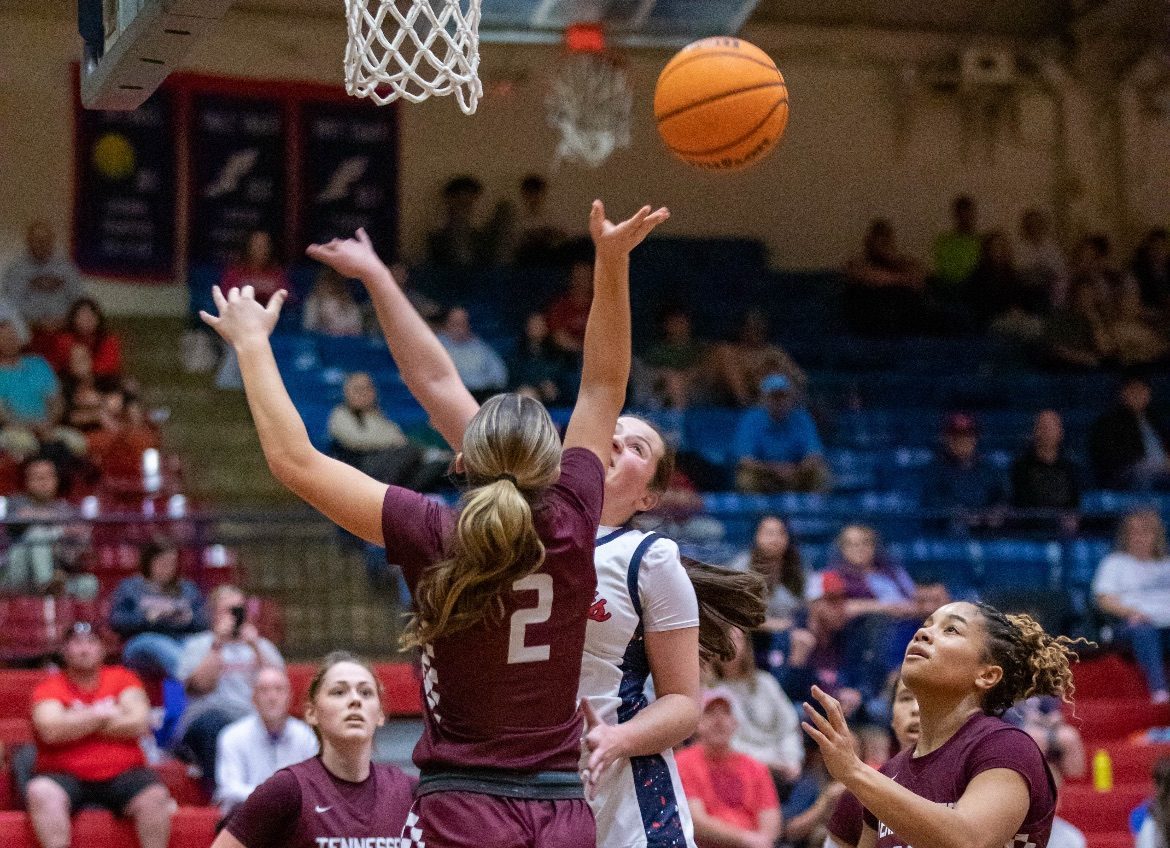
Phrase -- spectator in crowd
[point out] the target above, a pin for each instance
(1137, 339)
(88, 719)
(884, 292)
(847, 820)
(255, 747)
(777, 447)
(769, 730)
(998, 293)
(732, 797)
(807, 805)
(480, 368)
(429, 309)
(1076, 336)
(46, 557)
(1063, 750)
(31, 405)
(675, 361)
(1151, 270)
(1129, 448)
(124, 434)
(957, 252)
(85, 328)
(1043, 477)
(84, 405)
(42, 284)
(330, 308)
(155, 611)
(738, 367)
(535, 240)
(361, 435)
(869, 607)
(539, 366)
(961, 480)
(258, 267)
(458, 242)
(1155, 829)
(783, 645)
(218, 668)
(1039, 260)
(1133, 585)
(568, 314)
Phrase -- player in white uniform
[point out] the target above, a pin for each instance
(632, 635)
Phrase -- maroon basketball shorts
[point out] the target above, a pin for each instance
(473, 820)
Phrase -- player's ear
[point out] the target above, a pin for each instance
(460, 468)
(311, 718)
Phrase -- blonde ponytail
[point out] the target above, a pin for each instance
(511, 452)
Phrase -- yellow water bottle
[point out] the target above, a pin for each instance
(1102, 771)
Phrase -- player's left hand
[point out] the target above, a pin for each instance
(617, 240)
(241, 316)
(605, 745)
(832, 736)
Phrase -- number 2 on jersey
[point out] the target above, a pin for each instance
(518, 652)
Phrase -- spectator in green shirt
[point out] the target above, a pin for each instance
(956, 253)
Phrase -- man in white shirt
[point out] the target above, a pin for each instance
(254, 748)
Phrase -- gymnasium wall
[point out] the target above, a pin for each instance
(858, 144)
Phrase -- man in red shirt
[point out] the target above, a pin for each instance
(732, 797)
(88, 719)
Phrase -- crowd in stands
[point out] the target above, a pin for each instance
(199, 679)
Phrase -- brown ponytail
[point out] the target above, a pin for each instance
(1033, 662)
(511, 452)
(728, 600)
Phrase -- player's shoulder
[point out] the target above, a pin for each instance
(395, 778)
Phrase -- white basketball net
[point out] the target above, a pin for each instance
(589, 103)
(413, 49)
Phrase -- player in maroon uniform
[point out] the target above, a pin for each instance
(502, 587)
(340, 797)
(972, 780)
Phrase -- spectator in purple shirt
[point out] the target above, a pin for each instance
(971, 779)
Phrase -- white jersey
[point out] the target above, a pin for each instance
(641, 587)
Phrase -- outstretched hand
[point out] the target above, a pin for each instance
(353, 257)
(617, 240)
(604, 745)
(241, 316)
(832, 735)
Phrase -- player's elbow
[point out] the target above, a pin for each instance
(291, 467)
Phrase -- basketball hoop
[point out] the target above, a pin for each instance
(590, 99)
(413, 49)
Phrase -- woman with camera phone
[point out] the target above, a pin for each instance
(218, 668)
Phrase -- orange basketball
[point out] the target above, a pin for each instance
(721, 104)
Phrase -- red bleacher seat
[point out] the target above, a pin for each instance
(400, 686)
(1101, 812)
(31, 627)
(1109, 676)
(185, 789)
(1120, 839)
(191, 827)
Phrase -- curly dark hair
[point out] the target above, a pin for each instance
(1033, 662)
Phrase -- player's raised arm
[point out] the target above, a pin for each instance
(425, 366)
(606, 368)
(344, 494)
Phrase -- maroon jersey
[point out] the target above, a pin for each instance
(983, 743)
(503, 694)
(304, 806)
(846, 822)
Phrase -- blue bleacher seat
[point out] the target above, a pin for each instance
(1022, 564)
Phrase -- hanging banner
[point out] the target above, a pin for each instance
(237, 174)
(124, 198)
(349, 171)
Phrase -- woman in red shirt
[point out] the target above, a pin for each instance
(86, 328)
(257, 268)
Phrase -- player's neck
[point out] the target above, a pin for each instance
(350, 764)
(939, 722)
